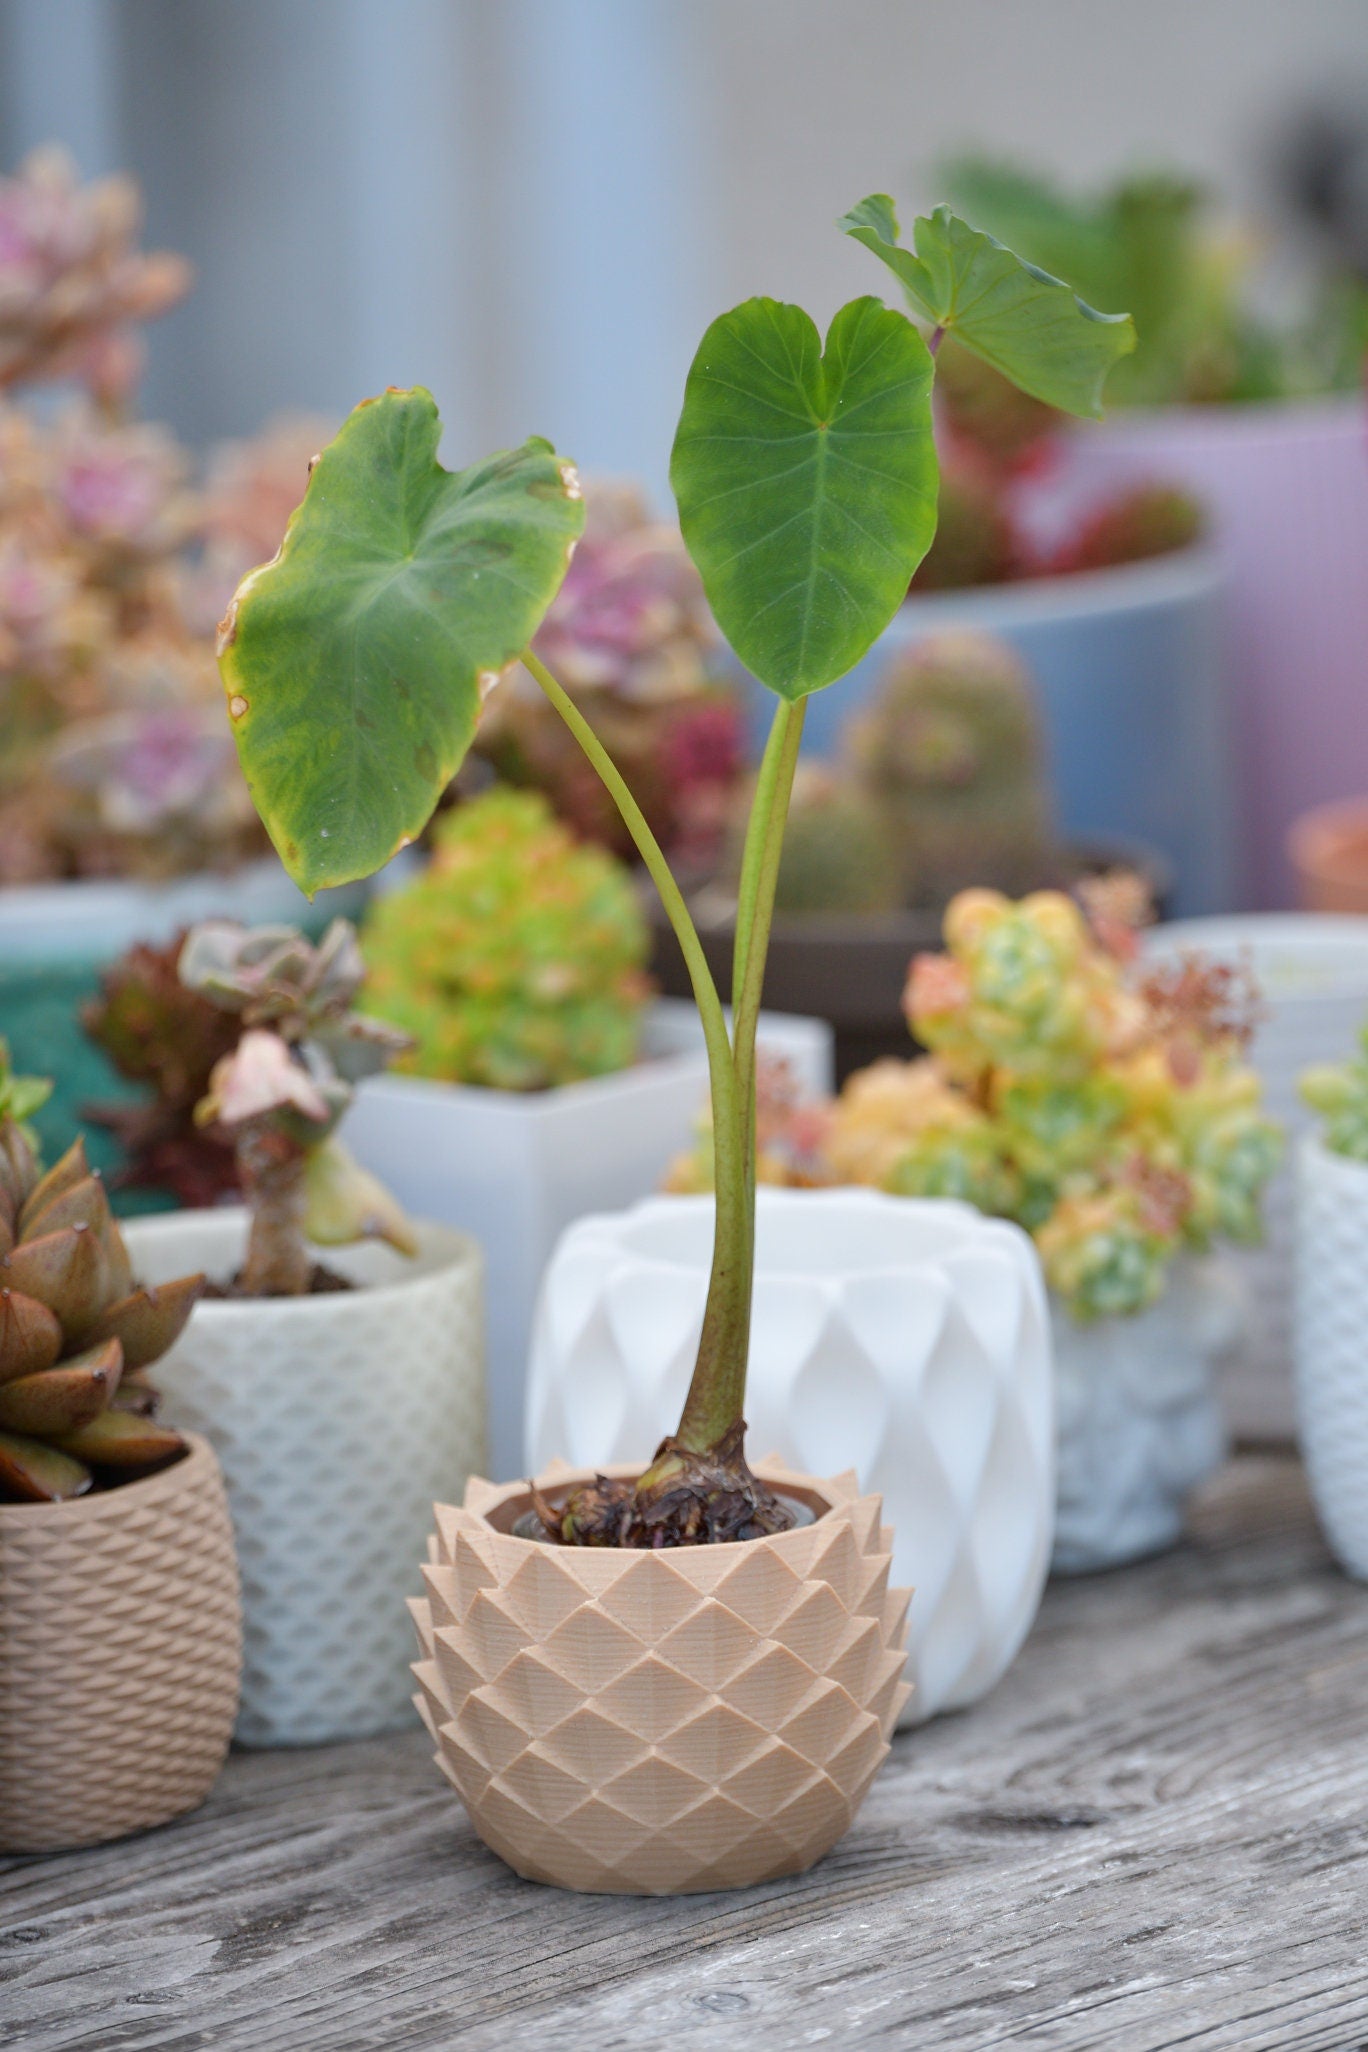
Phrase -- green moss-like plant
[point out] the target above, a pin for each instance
(805, 474)
(517, 958)
(1338, 1091)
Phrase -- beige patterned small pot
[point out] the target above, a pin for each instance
(655, 1723)
(122, 1641)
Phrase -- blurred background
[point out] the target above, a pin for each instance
(535, 206)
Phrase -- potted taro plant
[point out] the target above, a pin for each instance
(685, 1674)
(541, 1084)
(1331, 1239)
(341, 1383)
(105, 1512)
(1104, 1102)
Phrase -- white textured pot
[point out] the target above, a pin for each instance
(337, 1420)
(907, 1340)
(516, 1167)
(1312, 971)
(1331, 1330)
(1139, 1422)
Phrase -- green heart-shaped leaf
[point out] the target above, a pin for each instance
(806, 482)
(355, 662)
(1027, 324)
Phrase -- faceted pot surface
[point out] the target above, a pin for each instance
(655, 1723)
(337, 1418)
(908, 1339)
(1139, 1420)
(121, 1635)
(1331, 1319)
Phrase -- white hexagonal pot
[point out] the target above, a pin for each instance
(1139, 1421)
(338, 1420)
(1331, 1344)
(905, 1340)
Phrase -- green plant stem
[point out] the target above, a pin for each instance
(726, 1318)
(717, 1392)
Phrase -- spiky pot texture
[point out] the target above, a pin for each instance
(76, 1335)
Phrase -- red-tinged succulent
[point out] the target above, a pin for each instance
(1145, 520)
(976, 540)
(280, 1092)
(76, 1332)
(161, 1035)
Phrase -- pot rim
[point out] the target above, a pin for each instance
(463, 1252)
(1196, 571)
(105, 1504)
(498, 1505)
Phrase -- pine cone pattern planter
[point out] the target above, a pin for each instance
(655, 1723)
(120, 1624)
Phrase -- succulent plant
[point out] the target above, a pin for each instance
(1105, 1107)
(976, 541)
(168, 1038)
(517, 959)
(838, 855)
(74, 286)
(1339, 1092)
(280, 1094)
(630, 636)
(1145, 520)
(948, 750)
(76, 1332)
(984, 412)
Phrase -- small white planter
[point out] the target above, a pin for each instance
(906, 1340)
(1312, 969)
(1332, 1344)
(337, 1420)
(1139, 1421)
(515, 1169)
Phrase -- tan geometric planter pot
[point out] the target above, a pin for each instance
(642, 1723)
(121, 1638)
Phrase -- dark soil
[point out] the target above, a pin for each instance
(323, 1282)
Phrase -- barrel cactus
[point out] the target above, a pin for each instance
(949, 752)
(837, 857)
(517, 959)
(76, 1333)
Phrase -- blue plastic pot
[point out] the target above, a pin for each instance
(1128, 669)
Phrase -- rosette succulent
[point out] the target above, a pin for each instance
(76, 1331)
(281, 1093)
(1106, 1109)
(517, 959)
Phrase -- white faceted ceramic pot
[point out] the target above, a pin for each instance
(1331, 1344)
(907, 1340)
(338, 1420)
(1139, 1421)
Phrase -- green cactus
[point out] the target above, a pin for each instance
(517, 960)
(837, 855)
(949, 751)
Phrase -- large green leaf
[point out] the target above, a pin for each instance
(806, 482)
(355, 662)
(1027, 324)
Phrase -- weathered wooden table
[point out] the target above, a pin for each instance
(1154, 1834)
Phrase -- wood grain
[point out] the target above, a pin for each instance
(1153, 1835)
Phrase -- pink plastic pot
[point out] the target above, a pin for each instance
(1288, 490)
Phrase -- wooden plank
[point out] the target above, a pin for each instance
(1153, 1835)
